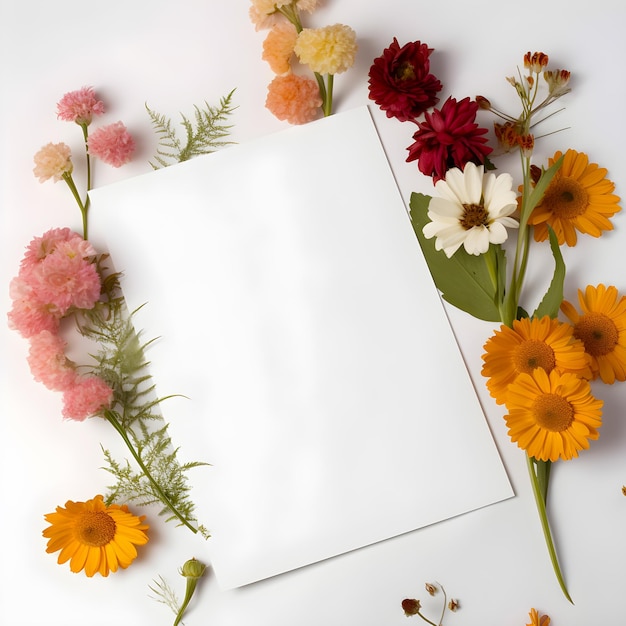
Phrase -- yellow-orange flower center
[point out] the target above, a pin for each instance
(95, 528)
(531, 354)
(405, 72)
(598, 332)
(474, 215)
(553, 412)
(566, 198)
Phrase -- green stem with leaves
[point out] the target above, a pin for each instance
(111, 417)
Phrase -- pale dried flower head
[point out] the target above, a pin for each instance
(558, 82)
(535, 62)
(54, 161)
(431, 589)
(327, 50)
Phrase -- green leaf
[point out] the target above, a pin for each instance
(463, 279)
(551, 301)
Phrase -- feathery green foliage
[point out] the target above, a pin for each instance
(203, 134)
(165, 594)
(134, 413)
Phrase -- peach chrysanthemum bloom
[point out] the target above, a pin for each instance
(80, 106)
(327, 50)
(113, 144)
(294, 98)
(54, 160)
(278, 47)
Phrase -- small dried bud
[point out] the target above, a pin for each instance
(431, 589)
(558, 81)
(483, 103)
(526, 144)
(193, 569)
(535, 62)
(411, 606)
(624, 490)
(535, 175)
(453, 605)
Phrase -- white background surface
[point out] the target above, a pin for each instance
(172, 56)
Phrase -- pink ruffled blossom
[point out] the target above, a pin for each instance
(113, 144)
(87, 396)
(41, 247)
(80, 106)
(48, 363)
(294, 98)
(29, 316)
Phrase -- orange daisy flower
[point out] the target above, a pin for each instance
(530, 343)
(579, 198)
(552, 416)
(95, 537)
(537, 620)
(602, 328)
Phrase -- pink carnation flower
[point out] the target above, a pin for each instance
(54, 160)
(79, 106)
(113, 144)
(41, 247)
(48, 363)
(293, 98)
(85, 397)
(28, 315)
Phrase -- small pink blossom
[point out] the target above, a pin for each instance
(294, 98)
(54, 161)
(85, 397)
(79, 106)
(28, 315)
(48, 363)
(41, 247)
(113, 144)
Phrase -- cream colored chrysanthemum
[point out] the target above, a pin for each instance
(327, 50)
(278, 47)
(52, 161)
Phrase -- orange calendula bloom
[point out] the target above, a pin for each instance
(601, 326)
(95, 537)
(546, 343)
(552, 416)
(579, 198)
(537, 620)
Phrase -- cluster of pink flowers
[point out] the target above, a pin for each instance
(57, 276)
(112, 144)
(325, 51)
(401, 83)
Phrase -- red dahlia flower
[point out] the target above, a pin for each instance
(400, 82)
(449, 137)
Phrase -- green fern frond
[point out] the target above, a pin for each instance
(120, 361)
(204, 133)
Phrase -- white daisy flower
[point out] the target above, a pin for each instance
(473, 209)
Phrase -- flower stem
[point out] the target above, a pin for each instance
(191, 587)
(543, 516)
(83, 206)
(110, 416)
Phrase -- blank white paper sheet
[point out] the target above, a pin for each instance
(296, 313)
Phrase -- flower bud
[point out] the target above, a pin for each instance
(411, 606)
(432, 589)
(535, 62)
(453, 605)
(483, 103)
(193, 569)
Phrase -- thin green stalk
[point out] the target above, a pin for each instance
(328, 99)
(67, 177)
(112, 419)
(543, 516)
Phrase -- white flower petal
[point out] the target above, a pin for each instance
(477, 240)
(444, 208)
(473, 178)
(497, 233)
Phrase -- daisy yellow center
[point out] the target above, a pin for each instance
(474, 215)
(95, 528)
(566, 198)
(405, 72)
(598, 332)
(553, 412)
(531, 354)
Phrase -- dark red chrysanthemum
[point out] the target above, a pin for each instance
(449, 137)
(400, 82)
